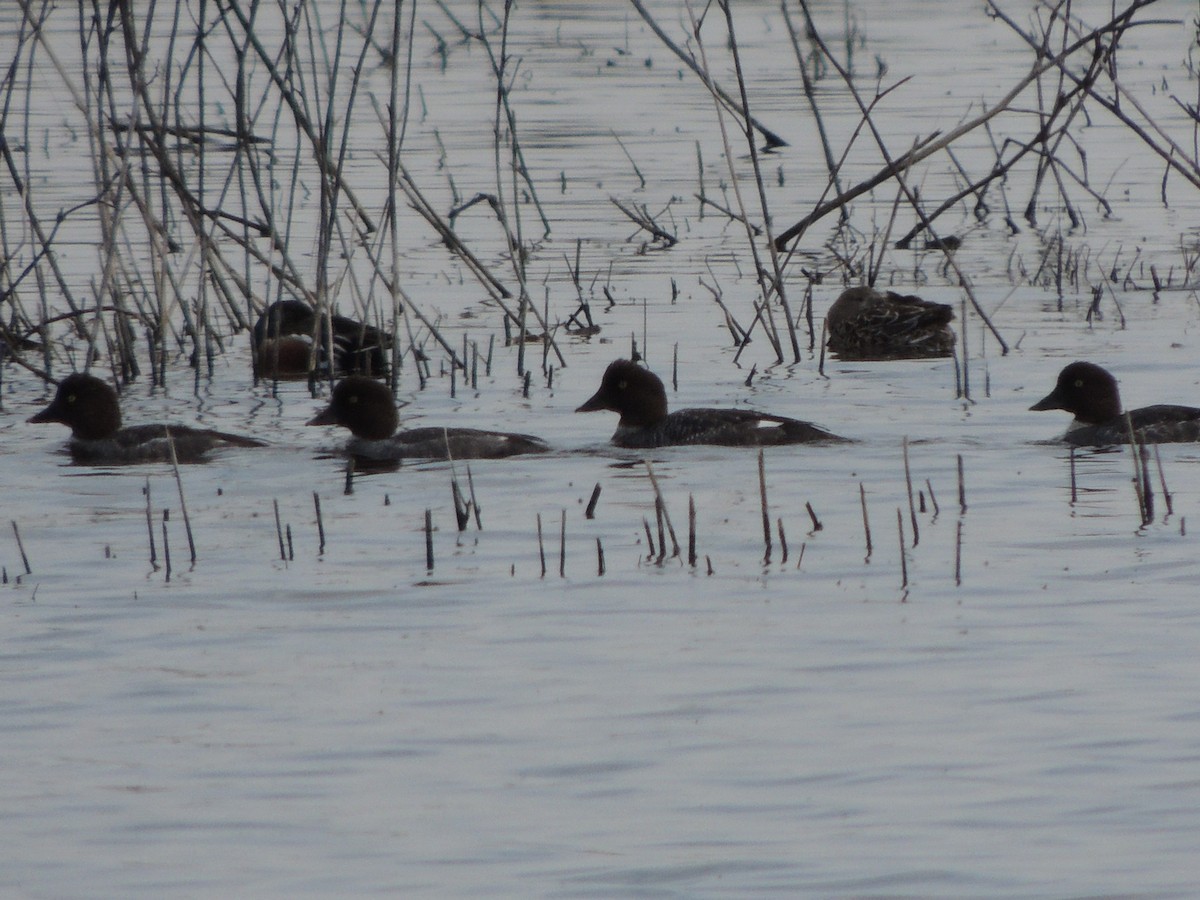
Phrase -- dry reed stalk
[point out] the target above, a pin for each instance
(166, 515)
(429, 538)
(1172, 154)
(474, 502)
(783, 547)
(958, 554)
(21, 548)
(541, 545)
(187, 522)
(660, 505)
(590, 511)
(903, 558)
(1162, 480)
(279, 531)
(1145, 504)
(940, 140)
(691, 531)
(962, 488)
(766, 516)
(933, 500)
(776, 286)
(599, 559)
(562, 546)
(773, 140)
(812, 515)
(806, 80)
(649, 538)
(762, 307)
(862, 498)
(320, 525)
(1147, 485)
(462, 506)
(150, 526)
(496, 290)
(1074, 491)
(912, 512)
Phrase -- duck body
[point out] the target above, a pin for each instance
(864, 323)
(1090, 393)
(638, 395)
(284, 348)
(367, 409)
(445, 443)
(91, 409)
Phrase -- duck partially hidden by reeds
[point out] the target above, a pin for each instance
(1090, 393)
(638, 395)
(284, 344)
(866, 324)
(367, 409)
(91, 409)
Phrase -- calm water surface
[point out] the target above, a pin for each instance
(347, 722)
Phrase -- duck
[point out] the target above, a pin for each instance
(638, 395)
(864, 323)
(283, 341)
(366, 407)
(1089, 392)
(91, 409)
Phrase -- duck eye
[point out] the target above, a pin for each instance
(70, 398)
(353, 399)
(622, 384)
(1078, 382)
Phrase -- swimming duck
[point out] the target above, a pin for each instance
(1090, 393)
(90, 408)
(283, 338)
(864, 323)
(639, 396)
(366, 407)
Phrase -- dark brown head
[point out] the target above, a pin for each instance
(85, 404)
(1086, 391)
(636, 393)
(363, 405)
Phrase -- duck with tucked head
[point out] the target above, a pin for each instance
(1090, 394)
(283, 341)
(90, 408)
(864, 323)
(638, 395)
(366, 407)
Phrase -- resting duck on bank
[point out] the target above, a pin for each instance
(90, 408)
(283, 341)
(864, 323)
(640, 398)
(366, 407)
(1090, 394)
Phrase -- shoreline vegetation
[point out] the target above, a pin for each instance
(207, 139)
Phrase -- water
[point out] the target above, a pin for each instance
(347, 722)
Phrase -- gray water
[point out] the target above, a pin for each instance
(349, 722)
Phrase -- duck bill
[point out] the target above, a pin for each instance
(1050, 401)
(324, 417)
(596, 402)
(49, 414)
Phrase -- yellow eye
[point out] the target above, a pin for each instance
(1078, 382)
(622, 385)
(70, 398)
